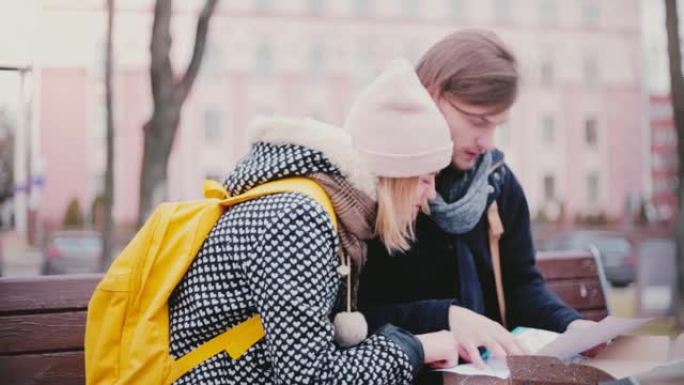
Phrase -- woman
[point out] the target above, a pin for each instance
(280, 255)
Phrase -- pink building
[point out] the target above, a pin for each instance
(576, 139)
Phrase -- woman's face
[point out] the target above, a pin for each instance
(425, 191)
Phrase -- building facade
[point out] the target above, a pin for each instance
(577, 138)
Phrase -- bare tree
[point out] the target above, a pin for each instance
(6, 157)
(677, 89)
(109, 171)
(169, 94)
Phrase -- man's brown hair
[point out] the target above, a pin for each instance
(472, 66)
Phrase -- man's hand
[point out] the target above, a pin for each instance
(471, 330)
(582, 323)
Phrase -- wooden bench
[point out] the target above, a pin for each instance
(42, 319)
(577, 277)
(42, 324)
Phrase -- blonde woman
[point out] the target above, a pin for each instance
(281, 257)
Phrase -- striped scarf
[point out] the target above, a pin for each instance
(356, 213)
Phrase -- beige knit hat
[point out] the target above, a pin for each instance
(396, 126)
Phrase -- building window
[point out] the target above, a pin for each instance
(212, 126)
(212, 63)
(591, 132)
(549, 188)
(100, 57)
(411, 53)
(317, 7)
(502, 135)
(591, 14)
(318, 114)
(214, 176)
(263, 5)
(661, 110)
(264, 109)
(502, 10)
(316, 60)
(547, 73)
(410, 8)
(548, 129)
(362, 7)
(592, 187)
(100, 184)
(363, 71)
(100, 126)
(264, 59)
(457, 8)
(658, 163)
(548, 11)
(664, 136)
(590, 69)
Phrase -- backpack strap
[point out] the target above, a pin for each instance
(303, 185)
(235, 341)
(495, 231)
(238, 339)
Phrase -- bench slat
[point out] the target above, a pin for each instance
(42, 332)
(43, 369)
(563, 268)
(47, 293)
(595, 315)
(581, 294)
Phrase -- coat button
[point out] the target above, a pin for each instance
(497, 176)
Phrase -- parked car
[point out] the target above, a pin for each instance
(615, 249)
(656, 277)
(72, 252)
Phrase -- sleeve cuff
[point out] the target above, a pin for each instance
(407, 342)
(568, 319)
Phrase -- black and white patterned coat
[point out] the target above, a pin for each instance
(276, 256)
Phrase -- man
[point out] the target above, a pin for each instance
(446, 279)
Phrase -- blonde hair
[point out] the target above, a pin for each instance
(395, 223)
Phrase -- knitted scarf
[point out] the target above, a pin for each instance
(457, 211)
(356, 213)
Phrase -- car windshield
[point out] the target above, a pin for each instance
(75, 242)
(611, 245)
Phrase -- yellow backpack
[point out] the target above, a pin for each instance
(127, 330)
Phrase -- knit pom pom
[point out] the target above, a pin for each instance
(350, 328)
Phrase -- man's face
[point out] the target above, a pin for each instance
(472, 129)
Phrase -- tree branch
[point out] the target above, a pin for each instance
(161, 72)
(185, 84)
(108, 228)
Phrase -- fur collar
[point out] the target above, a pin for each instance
(334, 142)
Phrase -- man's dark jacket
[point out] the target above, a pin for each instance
(414, 290)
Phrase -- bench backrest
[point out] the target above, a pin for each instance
(577, 277)
(42, 324)
(42, 319)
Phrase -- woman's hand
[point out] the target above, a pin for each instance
(471, 330)
(440, 349)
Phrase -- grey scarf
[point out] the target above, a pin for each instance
(462, 214)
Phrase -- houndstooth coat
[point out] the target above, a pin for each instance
(276, 256)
